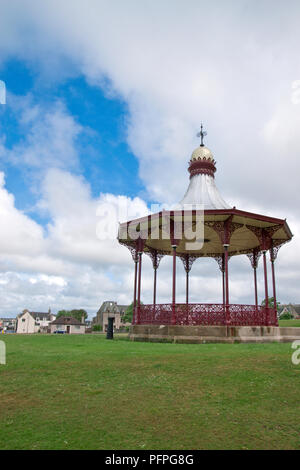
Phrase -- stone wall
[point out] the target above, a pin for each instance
(213, 334)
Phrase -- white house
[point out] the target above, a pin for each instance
(34, 322)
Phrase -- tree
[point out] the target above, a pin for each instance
(128, 316)
(78, 314)
(271, 303)
(62, 313)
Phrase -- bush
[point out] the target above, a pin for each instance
(286, 316)
(97, 328)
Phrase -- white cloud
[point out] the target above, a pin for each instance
(49, 136)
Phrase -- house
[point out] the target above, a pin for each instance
(110, 309)
(34, 322)
(8, 324)
(68, 325)
(293, 309)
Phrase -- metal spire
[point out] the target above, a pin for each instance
(202, 134)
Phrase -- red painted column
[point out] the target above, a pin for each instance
(227, 315)
(255, 286)
(274, 283)
(174, 287)
(139, 289)
(135, 285)
(187, 287)
(223, 279)
(154, 287)
(266, 286)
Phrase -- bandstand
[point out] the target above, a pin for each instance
(226, 232)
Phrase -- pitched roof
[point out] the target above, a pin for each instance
(111, 307)
(41, 315)
(66, 321)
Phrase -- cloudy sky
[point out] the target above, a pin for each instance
(104, 100)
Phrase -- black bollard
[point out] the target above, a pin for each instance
(110, 328)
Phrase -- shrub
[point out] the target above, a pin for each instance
(286, 316)
(97, 328)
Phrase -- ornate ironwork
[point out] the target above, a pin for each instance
(276, 245)
(220, 259)
(202, 167)
(155, 257)
(254, 257)
(264, 235)
(207, 314)
(272, 230)
(221, 229)
(188, 261)
(132, 248)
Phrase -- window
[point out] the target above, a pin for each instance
(23, 319)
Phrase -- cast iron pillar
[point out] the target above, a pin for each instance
(174, 286)
(187, 287)
(154, 286)
(139, 289)
(135, 286)
(272, 259)
(266, 287)
(255, 286)
(227, 313)
(223, 278)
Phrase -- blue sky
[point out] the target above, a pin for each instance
(104, 100)
(105, 159)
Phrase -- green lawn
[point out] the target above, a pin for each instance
(289, 323)
(86, 392)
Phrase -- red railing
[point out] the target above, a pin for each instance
(205, 314)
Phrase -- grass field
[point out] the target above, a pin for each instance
(289, 323)
(86, 392)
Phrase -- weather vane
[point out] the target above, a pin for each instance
(202, 134)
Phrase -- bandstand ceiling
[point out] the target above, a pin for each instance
(245, 229)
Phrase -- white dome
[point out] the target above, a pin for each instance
(201, 153)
